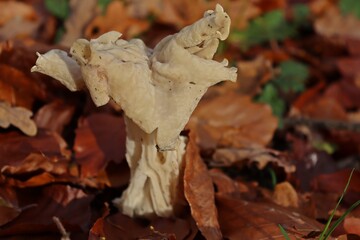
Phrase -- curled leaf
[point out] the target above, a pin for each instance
(199, 192)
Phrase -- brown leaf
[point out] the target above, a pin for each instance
(334, 24)
(81, 12)
(199, 192)
(17, 18)
(232, 120)
(54, 116)
(116, 18)
(9, 209)
(17, 88)
(325, 108)
(34, 161)
(70, 205)
(223, 183)
(225, 157)
(352, 225)
(100, 138)
(285, 195)
(335, 182)
(17, 116)
(240, 219)
(253, 74)
(115, 225)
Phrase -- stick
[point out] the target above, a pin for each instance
(65, 235)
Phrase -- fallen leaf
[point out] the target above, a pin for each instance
(17, 116)
(223, 183)
(17, 18)
(352, 225)
(325, 108)
(285, 195)
(116, 18)
(70, 205)
(9, 209)
(199, 192)
(240, 219)
(33, 161)
(114, 225)
(54, 116)
(253, 74)
(100, 138)
(226, 157)
(334, 24)
(17, 88)
(81, 13)
(232, 120)
(335, 182)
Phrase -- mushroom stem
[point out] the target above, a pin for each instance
(156, 173)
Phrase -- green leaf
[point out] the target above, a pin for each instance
(284, 233)
(58, 8)
(301, 14)
(103, 4)
(292, 76)
(270, 95)
(269, 27)
(350, 7)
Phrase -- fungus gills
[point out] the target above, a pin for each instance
(157, 89)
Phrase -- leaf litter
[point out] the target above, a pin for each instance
(249, 165)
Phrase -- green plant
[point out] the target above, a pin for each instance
(292, 78)
(328, 230)
(272, 26)
(350, 7)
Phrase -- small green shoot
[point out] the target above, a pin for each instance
(326, 233)
(328, 230)
(283, 231)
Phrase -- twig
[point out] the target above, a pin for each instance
(323, 124)
(65, 235)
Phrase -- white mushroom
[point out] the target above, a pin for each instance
(157, 89)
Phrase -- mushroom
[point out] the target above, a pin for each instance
(158, 90)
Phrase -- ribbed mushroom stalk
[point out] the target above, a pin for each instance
(157, 89)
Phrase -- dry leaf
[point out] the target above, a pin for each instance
(54, 116)
(352, 225)
(17, 88)
(9, 208)
(199, 192)
(232, 120)
(225, 157)
(285, 195)
(117, 19)
(17, 116)
(100, 138)
(240, 219)
(17, 19)
(224, 184)
(81, 12)
(253, 74)
(70, 205)
(115, 225)
(333, 24)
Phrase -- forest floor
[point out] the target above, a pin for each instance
(279, 145)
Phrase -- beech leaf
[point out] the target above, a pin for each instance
(199, 192)
(17, 116)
